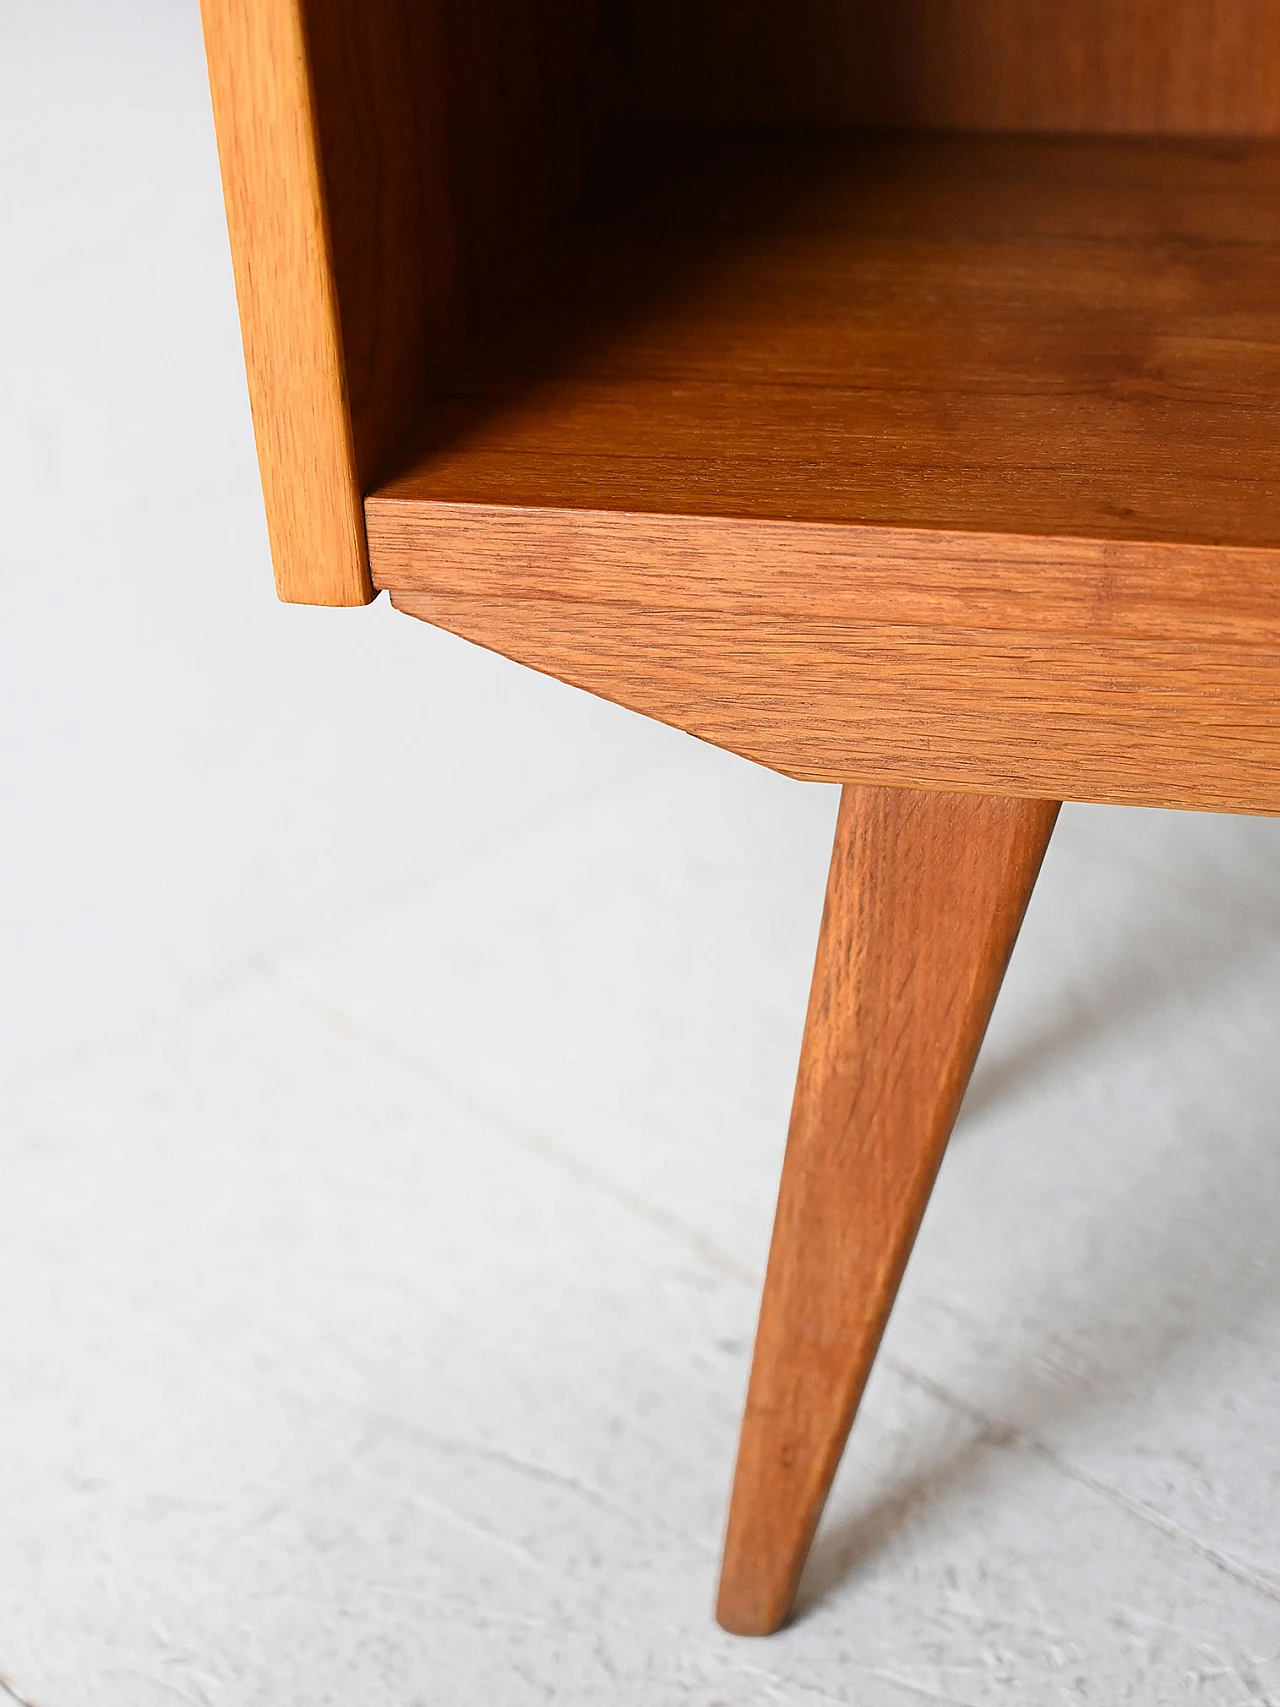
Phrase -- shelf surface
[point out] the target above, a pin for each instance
(1056, 337)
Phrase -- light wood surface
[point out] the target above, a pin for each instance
(945, 463)
(379, 73)
(924, 902)
(1174, 66)
(780, 665)
(389, 171)
(263, 107)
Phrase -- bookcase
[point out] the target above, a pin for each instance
(884, 390)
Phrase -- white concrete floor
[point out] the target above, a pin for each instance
(375, 1330)
(191, 773)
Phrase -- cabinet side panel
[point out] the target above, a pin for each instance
(391, 169)
(381, 88)
(1150, 67)
(264, 114)
(454, 137)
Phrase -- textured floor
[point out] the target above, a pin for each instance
(375, 1331)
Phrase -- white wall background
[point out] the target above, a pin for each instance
(190, 773)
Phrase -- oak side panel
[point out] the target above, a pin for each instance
(382, 84)
(264, 113)
(391, 170)
(1174, 67)
(457, 137)
(1061, 669)
(924, 902)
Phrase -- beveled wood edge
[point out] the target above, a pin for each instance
(273, 188)
(891, 707)
(1121, 672)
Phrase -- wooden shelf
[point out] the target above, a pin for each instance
(1051, 337)
(1020, 387)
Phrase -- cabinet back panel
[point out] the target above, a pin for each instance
(1160, 67)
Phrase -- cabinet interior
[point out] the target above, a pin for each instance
(991, 264)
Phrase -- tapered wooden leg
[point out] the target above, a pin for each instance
(924, 901)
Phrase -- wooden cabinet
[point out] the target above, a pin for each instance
(885, 390)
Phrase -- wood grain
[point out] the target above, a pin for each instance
(380, 75)
(1046, 337)
(948, 463)
(534, 90)
(263, 107)
(1181, 67)
(390, 170)
(924, 902)
(1086, 670)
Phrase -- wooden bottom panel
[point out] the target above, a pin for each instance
(1128, 719)
(944, 462)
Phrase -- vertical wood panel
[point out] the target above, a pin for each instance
(272, 185)
(381, 84)
(390, 168)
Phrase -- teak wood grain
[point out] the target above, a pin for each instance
(1109, 714)
(272, 180)
(389, 170)
(925, 458)
(947, 463)
(1051, 337)
(1180, 67)
(924, 902)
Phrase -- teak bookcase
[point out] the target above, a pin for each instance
(885, 390)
